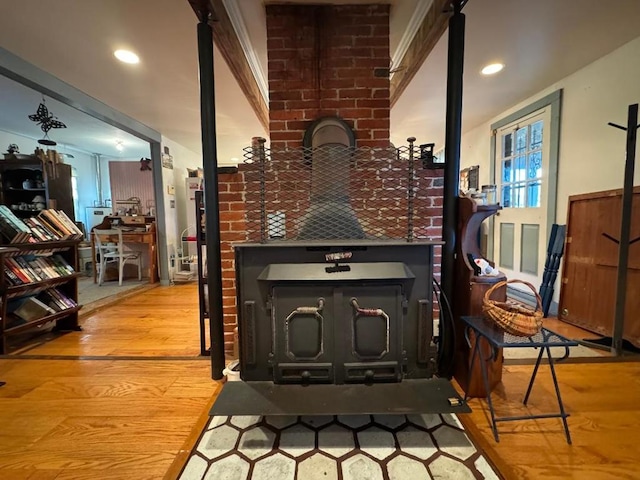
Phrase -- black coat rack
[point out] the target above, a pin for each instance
(625, 228)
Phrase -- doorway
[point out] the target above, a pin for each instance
(525, 147)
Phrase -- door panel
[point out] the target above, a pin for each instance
(520, 228)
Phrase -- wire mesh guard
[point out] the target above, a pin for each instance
(338, 192)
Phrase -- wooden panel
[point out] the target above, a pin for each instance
(587, 296)
(529, 242)
(127, 180)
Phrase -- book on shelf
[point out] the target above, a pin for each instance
(62, 297)
(12, 278)
(56, 300)
(25, 269)
(32, 308)
(48, 225)
(12, 228)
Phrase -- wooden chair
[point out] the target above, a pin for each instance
(110, 249)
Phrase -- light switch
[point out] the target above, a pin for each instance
(171, 189)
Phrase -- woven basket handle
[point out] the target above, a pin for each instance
(488, 293)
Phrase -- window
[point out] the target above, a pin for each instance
(74, 190)
(521, 159)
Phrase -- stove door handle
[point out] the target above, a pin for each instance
(308, 310)
(367, 312)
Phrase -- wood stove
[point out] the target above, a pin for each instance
(364, 316)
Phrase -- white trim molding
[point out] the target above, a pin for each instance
(422, 7)
(243, 37)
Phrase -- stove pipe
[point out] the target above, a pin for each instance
(330, 143)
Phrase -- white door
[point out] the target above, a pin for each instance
(520, 228)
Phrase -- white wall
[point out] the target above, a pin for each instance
(175, 217)
(592, 154)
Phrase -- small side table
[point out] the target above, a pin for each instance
(497, 339)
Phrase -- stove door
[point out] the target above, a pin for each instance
(302, 320)
(371, 324)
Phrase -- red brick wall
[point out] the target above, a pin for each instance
(238, 203)
(324, 60)
(328, 60)
(232, 229)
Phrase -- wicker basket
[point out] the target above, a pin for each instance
(514, 319)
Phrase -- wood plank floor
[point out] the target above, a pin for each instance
(120, 405)
(125, 398)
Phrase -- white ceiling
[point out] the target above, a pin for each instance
(83, 133)
(540, 42)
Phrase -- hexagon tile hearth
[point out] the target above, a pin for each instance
(352, 447)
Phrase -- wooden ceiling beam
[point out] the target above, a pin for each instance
(433, 26)
(226, 39)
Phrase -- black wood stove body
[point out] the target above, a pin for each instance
(337, 312)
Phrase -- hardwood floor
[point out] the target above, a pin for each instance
(125, 398)
(602, 399)
(102, 413)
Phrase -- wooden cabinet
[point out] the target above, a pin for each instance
(28, 185)
(469, 290)
(52, 287)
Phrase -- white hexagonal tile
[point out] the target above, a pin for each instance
(427, 420)
(354, 421)
(274, 467)
(377, 442)
(218, 441)
(318, 467)
(336, 440)
(452, 420)
(229, 468)
(194, 469)
(416, 442)
(281, 421)
(360, 467)
(454, 442)
(404, 468)
(316, 420)
(445, 467)
(216, 421)
(245, 421)
(256, 442)
(390, 421)
(485, 469)
(297, 440)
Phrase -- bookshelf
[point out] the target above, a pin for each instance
(39, 282)
(31, 183)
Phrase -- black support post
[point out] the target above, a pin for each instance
(455, 67)
(212, 209)
(625, 230)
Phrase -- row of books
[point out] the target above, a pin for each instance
(48, 302)
(34, 268)
(48, 225)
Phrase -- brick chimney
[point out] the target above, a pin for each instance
(328, 60)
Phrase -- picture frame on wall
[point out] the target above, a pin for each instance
(470, 179)
(167, 161)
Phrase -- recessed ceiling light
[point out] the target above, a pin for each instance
(492, 68)
(126, 56)
(119, 145)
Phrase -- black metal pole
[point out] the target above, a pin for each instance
(455, 67)
(625, 231)
(212, 210)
